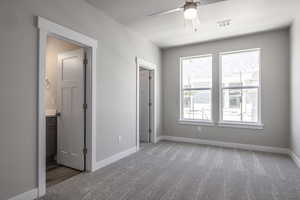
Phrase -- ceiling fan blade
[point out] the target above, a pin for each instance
(165, 12)
(205, 2)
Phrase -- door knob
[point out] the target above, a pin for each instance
(58, 114)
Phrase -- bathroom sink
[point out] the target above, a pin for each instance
(50, 112)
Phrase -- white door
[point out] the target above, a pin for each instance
(70, 98)
(144, 105)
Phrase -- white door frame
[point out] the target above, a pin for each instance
(47, 28)
(140, 63)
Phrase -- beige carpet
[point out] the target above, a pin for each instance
(178, 171)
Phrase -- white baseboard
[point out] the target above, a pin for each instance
(29, 195)
(295, 158)
(115, 158)
(33, 194)
(159, 138)
(227, 144)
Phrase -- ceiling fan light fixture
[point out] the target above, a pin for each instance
(190, 11)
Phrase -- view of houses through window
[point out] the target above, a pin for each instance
(239, 87)
(197, 88)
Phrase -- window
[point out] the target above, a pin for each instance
(239, 90)
(240, 87)
(196, 88)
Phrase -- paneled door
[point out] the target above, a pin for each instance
(70, 97)
(145, 105)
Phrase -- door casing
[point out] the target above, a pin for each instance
(140, 63)
(47, 28)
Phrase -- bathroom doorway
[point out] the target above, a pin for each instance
(88, 48)
(65, 110)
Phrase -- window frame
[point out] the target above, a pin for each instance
(182, 120)
(238, 124)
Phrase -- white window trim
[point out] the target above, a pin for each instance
(241, 125)
(188, 121)
(234, 124)
(196, 122)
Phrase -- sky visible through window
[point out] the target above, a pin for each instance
(197, 72)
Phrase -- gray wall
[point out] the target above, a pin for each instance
(116, 85)
(295, 86)
(275, 90)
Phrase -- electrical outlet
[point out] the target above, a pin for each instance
(119, 139)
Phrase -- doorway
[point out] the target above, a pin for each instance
(147, 106)
(88, 49)
(65, 114)
(146, 97)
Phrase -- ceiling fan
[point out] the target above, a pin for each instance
(189, 9)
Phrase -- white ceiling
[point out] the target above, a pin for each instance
(248, 16)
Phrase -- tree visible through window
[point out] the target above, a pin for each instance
(240, 86)
(196, 88)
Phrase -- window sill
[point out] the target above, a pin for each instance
(196, 123)
(241, 125)
(222, 124)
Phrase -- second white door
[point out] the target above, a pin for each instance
(145, 131)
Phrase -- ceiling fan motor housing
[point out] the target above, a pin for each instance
(190, 10)
(190, 5)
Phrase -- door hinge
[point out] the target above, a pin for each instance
(84, 151)
(150, 77)
(85, 61)
(150, 104)
(150, 131)
(85, 106)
